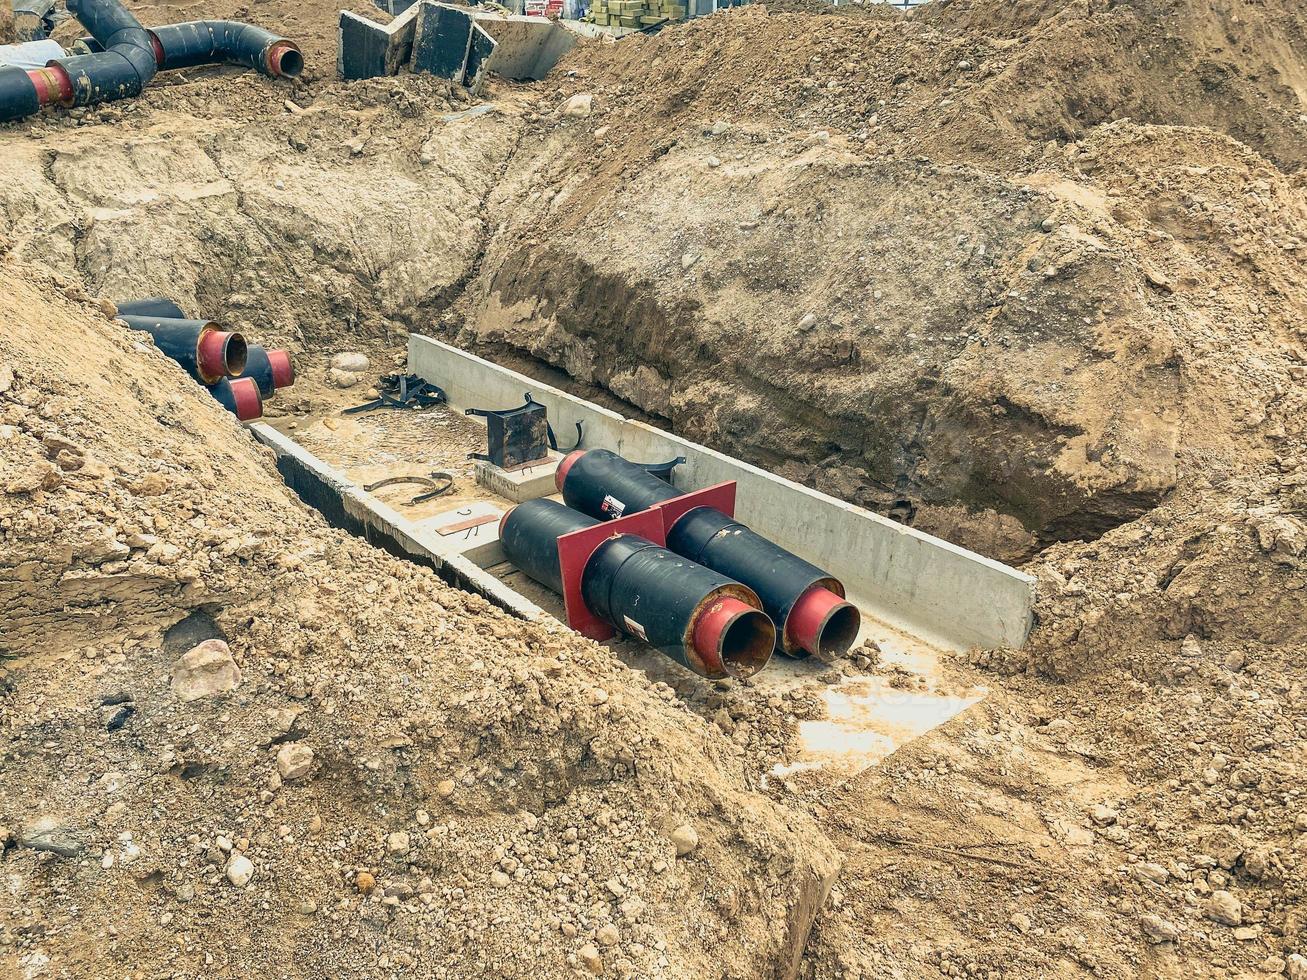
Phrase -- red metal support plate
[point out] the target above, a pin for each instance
(575, 549)
(720, 496)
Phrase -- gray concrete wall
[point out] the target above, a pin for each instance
(910, 580)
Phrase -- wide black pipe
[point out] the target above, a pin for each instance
(240, 396)
(806, 603)
(695, 616)
(126, 64)
(206, 351)
(270, 369)
(217, 42)
(151, 306)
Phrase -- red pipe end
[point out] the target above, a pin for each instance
(219, 354)
(283, 370)
(158, 48)
(52, 84)
(823, 623)
(733, 638)
(504, 520)
(245, 395)
(285, 59)
(560, 474)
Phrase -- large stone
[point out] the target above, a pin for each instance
(351, 361)
(204, 670)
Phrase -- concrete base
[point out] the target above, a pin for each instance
(943, 594)
(526, 48)
(527, 483)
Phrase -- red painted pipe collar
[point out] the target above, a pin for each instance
(213, 354)
(810, 617)
(52, 84)
(504, 520)
(710, 630)
(245, 395)
(283, 369)
(560, 474)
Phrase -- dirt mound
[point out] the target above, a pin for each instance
(509, 789)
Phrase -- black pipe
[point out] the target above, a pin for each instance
(806, 603)
(206, 351)
(217, 42)
(18, 94)
(695, 616)
(270, 369)
(126, 64)
(240, 396)
(151, 306)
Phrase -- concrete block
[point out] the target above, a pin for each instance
(527, 483)
(526, 48)
(442, 40)
(478, 58)
(366, 49)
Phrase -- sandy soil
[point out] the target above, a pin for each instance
(1029, 275)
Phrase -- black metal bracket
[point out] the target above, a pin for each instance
(402, 391)
(440, 482)
(663, 470)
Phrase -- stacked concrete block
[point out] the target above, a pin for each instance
(635, 14)
(366, 49)
(443, 41)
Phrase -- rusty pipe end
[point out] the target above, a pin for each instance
(285, 60)
(52, 84)
(283, 369)
(245, 396)
(823, 623)
(504, 520)
(220, 354)
(560, 474)
(733, 638)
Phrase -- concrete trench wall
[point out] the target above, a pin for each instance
(937, 591)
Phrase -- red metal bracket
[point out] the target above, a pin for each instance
(720, 496)
(575, 549)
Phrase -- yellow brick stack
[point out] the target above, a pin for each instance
(634, 13)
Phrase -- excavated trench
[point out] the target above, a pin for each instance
(437, 235)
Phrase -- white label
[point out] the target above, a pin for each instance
(612, 505)
(634, 628)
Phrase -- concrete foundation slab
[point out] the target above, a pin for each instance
(926, 587)
(526, 48)
(527, 483)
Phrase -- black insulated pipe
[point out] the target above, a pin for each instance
(207, 352)
(18, 93)
(209, 42)
(806, 603)
(700, 619)
(151, 306)
(126, 64)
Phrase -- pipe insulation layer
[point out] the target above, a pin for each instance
(207, 352)
(807, 604)
(211, 42)
(270, 369)
(693, 615)
(240, 396)
(151, 306)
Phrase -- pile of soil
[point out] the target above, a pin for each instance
(1028, 275)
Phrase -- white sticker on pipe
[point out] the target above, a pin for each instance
(612, 506)
(635, 629)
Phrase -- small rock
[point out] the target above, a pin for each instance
(608, 935)
(1151, 872)
(688, 259)
(1224, 908)
(598, 695)
(686, 839)
(590, 959)
(1158, 930)
(499, 879)
(294, 760)
(445, 788)
(365, 883)
(343, 379)
(1246, 933)
(398, 843)
(205, 669)
(239, 870)
(351, 361)
(579, 105)
(714, 163)
(808, 322)
(1020, 922)
(1102, 814)
(1296, 967)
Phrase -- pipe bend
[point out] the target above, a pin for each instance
(208, 42)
